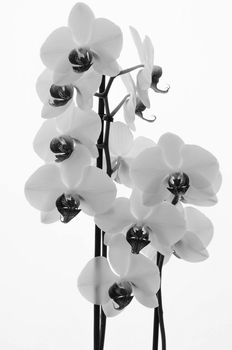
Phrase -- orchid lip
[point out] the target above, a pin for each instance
(178, 184)
(62, 146)
(138, 238)
(61, 95)
(81, 59)
(68, 207)
(120, 293)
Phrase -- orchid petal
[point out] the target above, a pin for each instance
(43, 84)
(167, 224)
(143, 274)
(148, 300)
(123, 172)
(139, 210)
(56, 48)
(117, 218)
(44, 187)
(171, 145)
(81, 125)
(81, 21)
(49, 217)
(97, 189)
(142, 93)
(138, 43)
(49, 111)
(121, 139)
(43, 138)
(102, 65)
(71, 169)
(109, 309)
(149, 54)
(119, 254)
(149, 168)
(199, 161)
(199, 224)
(140, 144)
(95, 280)
(106, 39)
(190, 248)
(200, 191)
(86, 86)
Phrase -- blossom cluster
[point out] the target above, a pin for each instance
(165, 177)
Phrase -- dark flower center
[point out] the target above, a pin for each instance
(178, 184)
(138, 238)
(60, 94)
(121, 294)
(140, 108)
(156, 74)
(63, 147)
(81, 60)
(67, 206)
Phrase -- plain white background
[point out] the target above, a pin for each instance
(40, 307)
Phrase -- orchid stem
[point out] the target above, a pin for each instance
(160, 307)
(156, 320)
(98, 234)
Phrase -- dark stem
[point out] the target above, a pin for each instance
(98, 235)
(156, 320)
(160, 308)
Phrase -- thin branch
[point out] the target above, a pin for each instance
(128, 70)
(119, 106)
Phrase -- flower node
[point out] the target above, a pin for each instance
(81, 60)
(60, 94)
(138, 238)
(63, 146)
(67, 207)
(178, 184)
(121, 294)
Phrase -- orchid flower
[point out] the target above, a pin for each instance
(162, 226)
(86, 42)
(57, 98)
(131, 276)
(192, 246)
(175, 171)
(148, 77)
(52, 187)
(124, 148)
(71, 136)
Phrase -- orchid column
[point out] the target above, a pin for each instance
(87, 154)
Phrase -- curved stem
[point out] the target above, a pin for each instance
(119, 105)
(128, 70)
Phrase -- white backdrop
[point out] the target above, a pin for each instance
(40, 307)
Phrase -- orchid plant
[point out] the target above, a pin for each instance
(87, 154)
